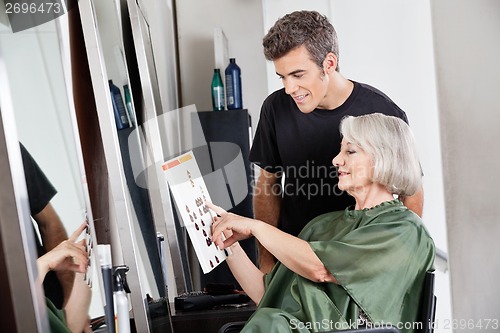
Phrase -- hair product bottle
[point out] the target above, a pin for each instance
(233, 86)
(128, 104)
(121, 118)
(121, 300)
(217, 91)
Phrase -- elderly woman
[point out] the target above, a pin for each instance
(364, 264)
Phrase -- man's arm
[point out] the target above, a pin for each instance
(53, 233)
(415, 203)
(266, 207)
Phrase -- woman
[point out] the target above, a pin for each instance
(362, 265)
(69, 255)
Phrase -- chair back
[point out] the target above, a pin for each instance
(427, 308)
(232, 327)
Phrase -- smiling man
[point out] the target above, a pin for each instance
(298, 131)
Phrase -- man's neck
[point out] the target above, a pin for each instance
(339, 89)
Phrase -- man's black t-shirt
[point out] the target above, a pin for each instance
(302, 146)
(40, 192)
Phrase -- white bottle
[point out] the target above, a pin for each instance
(121, 304)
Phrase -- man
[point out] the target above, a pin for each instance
(57, 286)
(298, 131)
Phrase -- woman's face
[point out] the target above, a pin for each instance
(355, 168)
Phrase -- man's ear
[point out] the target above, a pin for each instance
(330, 63)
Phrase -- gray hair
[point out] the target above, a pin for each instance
(390, 142)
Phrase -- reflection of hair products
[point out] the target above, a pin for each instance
(128, 104)
(121, 118)
(104, 251)
(121, 300)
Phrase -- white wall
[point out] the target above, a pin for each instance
(467, 35)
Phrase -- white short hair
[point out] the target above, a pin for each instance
(390, 142)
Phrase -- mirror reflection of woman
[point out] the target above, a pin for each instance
(362, 265)
(70, 255)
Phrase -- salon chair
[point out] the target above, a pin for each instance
(426, 314)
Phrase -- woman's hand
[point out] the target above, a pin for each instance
(68, 255)
(229, 228)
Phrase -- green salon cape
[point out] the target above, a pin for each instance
(379, 256)
(57, 320)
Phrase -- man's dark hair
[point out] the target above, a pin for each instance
(308, 28)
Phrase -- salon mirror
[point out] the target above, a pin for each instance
(37, 63)
(39, 70)
(137, 243)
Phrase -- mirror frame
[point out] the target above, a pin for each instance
(122, 206)
(161, 201)
(17, 236)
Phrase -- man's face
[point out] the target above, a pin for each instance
(303, 80)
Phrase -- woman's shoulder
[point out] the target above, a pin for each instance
(328, 216)
(322, 219)
(392, 212)
(400, 218)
